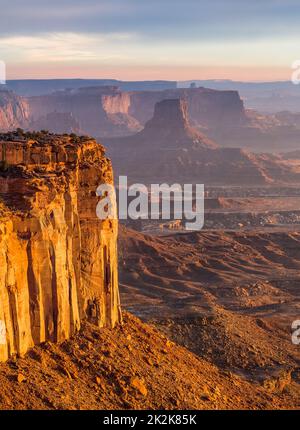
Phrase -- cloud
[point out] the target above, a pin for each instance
(156, 33)
(64, 47)
(126, 49)
(155, 19)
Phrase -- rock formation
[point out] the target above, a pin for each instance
(13, 111)
(99, 111)
(57, 122)
(170, 128)
(109, 112)
(58, 260)
(169, 149)
(206, 108)
(37, 87)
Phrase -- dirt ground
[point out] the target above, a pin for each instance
(132, 367)
(229, 297)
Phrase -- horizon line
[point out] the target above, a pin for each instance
(151, 80)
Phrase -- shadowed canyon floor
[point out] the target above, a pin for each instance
(230, 297)
(170, 149)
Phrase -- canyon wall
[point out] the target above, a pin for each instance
(109, 112)
(170, 129)
(13, 111)
(58, 260)
(99, 111)
(170, 150)
(206, 107)
(37, 87)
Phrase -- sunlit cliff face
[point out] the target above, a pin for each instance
(58, 260)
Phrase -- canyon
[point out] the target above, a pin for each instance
(98, 110)
(207, 315)
(106, 111)
(13, 111)
(229, 297)
(170, 149)
(114, 109)
(58, 260)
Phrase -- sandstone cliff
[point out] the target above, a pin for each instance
(99, 111)
(170, 128)
(109, 112)
(206, 108)
(169, 149)
(58, 260)
(13, 111)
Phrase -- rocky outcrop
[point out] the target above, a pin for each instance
(206, 108)
(170, 128)
(169, 150)
(58, 260)
(13, 111)
(109, 112)
(116, 102)
(99, 111)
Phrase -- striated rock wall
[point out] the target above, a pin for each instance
(206, 107)
(58, 260)
(169, 150)
(99, 111)
(13, 111)
(170, 113)
(170, 128)
(116, 103)
(109, 112)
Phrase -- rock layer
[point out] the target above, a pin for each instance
(109, 112)
(170, 128)
(169, 150)
(13, 111)
(99, 111)
(58, 260)
(206, 107)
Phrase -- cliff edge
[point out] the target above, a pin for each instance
(58, 260)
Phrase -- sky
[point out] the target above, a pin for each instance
(150, 39)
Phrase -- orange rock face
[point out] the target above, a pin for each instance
(58, 261)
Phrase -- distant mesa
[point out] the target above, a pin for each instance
(99, 111)
(113, 110)
(37, 87)
(206, 108)
(107, 111)
(170, 127)
(169, 149)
